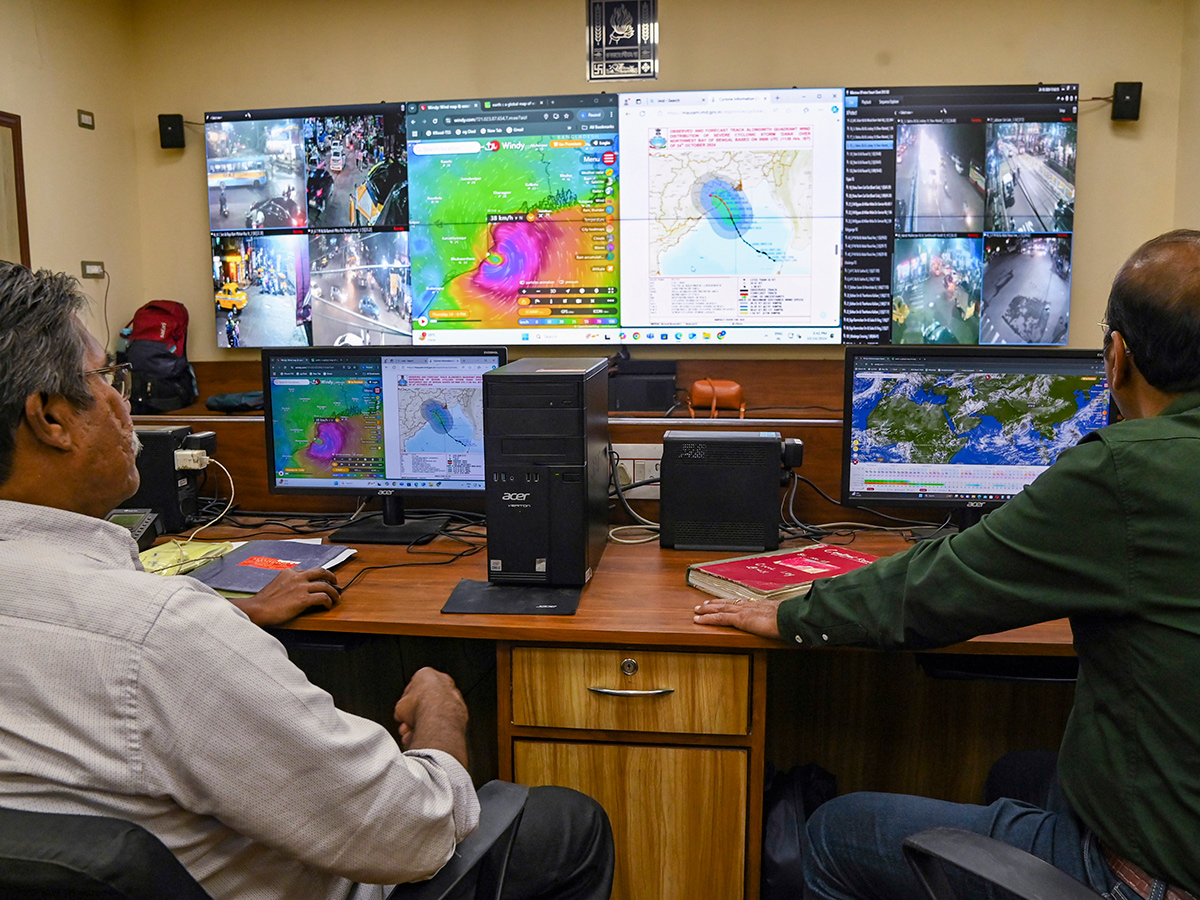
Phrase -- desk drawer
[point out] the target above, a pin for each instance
(671, 692)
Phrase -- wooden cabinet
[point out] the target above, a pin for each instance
(668, 741)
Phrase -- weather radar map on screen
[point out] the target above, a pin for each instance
(358, 419)
(513, 213)
(967, 428)
(329, 426)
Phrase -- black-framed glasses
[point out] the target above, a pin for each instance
(118, 377)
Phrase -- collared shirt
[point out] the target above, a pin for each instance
(155, 700)
(1109, 536)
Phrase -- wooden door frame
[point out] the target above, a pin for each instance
(12, 122)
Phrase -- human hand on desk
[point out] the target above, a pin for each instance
(290, 593)
(433, 715)
(754, 616)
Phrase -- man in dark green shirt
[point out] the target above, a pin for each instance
(1110, 537)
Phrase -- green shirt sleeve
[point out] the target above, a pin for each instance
(1056, 547)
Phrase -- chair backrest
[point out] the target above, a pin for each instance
(1021, 874)
(72, 857)
(53, 856)
(480, 860)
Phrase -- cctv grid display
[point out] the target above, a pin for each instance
(827, 215)
(365, 420)
(942, 427)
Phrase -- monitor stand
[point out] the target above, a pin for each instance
(961, 518)
(392, 528)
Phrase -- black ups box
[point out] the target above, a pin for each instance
(720, 490)
(545, 431)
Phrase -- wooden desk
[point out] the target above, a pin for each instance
(681, 775)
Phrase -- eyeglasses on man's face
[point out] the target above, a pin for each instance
(118, 377)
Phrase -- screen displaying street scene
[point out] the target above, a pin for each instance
(260, 284)
(1026, 289)
(732, 215)
(937, 290)
(356, 170)
(934, 427)
(280, 180)
(255, 174)
(514, 211)
(365, 421)
(361, 289)
(930, 170)
(939, 177)
(1031, 176)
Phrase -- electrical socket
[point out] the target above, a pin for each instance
(92, 268)
(637, 463)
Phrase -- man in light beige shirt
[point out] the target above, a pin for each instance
(157, 701)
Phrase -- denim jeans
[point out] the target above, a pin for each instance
(854, 844)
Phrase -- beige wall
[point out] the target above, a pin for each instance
(113, 194)
(58, 56)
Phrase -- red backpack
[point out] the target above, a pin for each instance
(154, 343)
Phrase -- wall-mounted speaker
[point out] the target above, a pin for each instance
(1127, 101)
(170, 131)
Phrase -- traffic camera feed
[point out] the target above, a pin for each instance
(308, 210)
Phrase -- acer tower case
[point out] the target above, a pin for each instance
(545, 431)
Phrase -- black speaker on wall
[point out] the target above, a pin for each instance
(1127, 101)
(170, 131)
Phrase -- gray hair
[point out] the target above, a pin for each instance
(42, 347)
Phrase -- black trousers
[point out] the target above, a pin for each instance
(563, 849)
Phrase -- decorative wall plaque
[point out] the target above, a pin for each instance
(622, 40)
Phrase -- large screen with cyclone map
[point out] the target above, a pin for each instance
(939, 427)
(810, 215)
(365, 421)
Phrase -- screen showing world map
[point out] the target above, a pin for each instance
(928, 426)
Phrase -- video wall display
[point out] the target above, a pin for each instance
(816, 216)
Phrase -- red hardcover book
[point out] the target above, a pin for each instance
(774, 576)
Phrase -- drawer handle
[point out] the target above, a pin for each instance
(613, 692)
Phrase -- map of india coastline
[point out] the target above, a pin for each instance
(413, 411)
(695, 187)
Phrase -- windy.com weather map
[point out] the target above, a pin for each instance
(513, 214)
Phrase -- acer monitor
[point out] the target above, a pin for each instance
(401, 423)
(962, 430)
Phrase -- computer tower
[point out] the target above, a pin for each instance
(720, 490)
(167, 490)
(545, 431)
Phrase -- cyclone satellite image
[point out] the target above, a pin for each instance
(451, 422)
(973, 418)
(724, 212)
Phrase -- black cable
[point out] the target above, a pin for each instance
(470, 550)
(615, 481)
(813, 485)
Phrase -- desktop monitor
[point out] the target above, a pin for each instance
(962, 430)
(402, 423)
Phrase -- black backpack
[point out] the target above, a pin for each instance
(154, 343)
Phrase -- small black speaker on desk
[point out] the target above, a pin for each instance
(170, 131)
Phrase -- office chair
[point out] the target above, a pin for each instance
(1021, 874)
(53, 856)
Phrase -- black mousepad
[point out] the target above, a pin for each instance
(512, 599)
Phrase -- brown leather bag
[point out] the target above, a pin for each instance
(716, 394)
